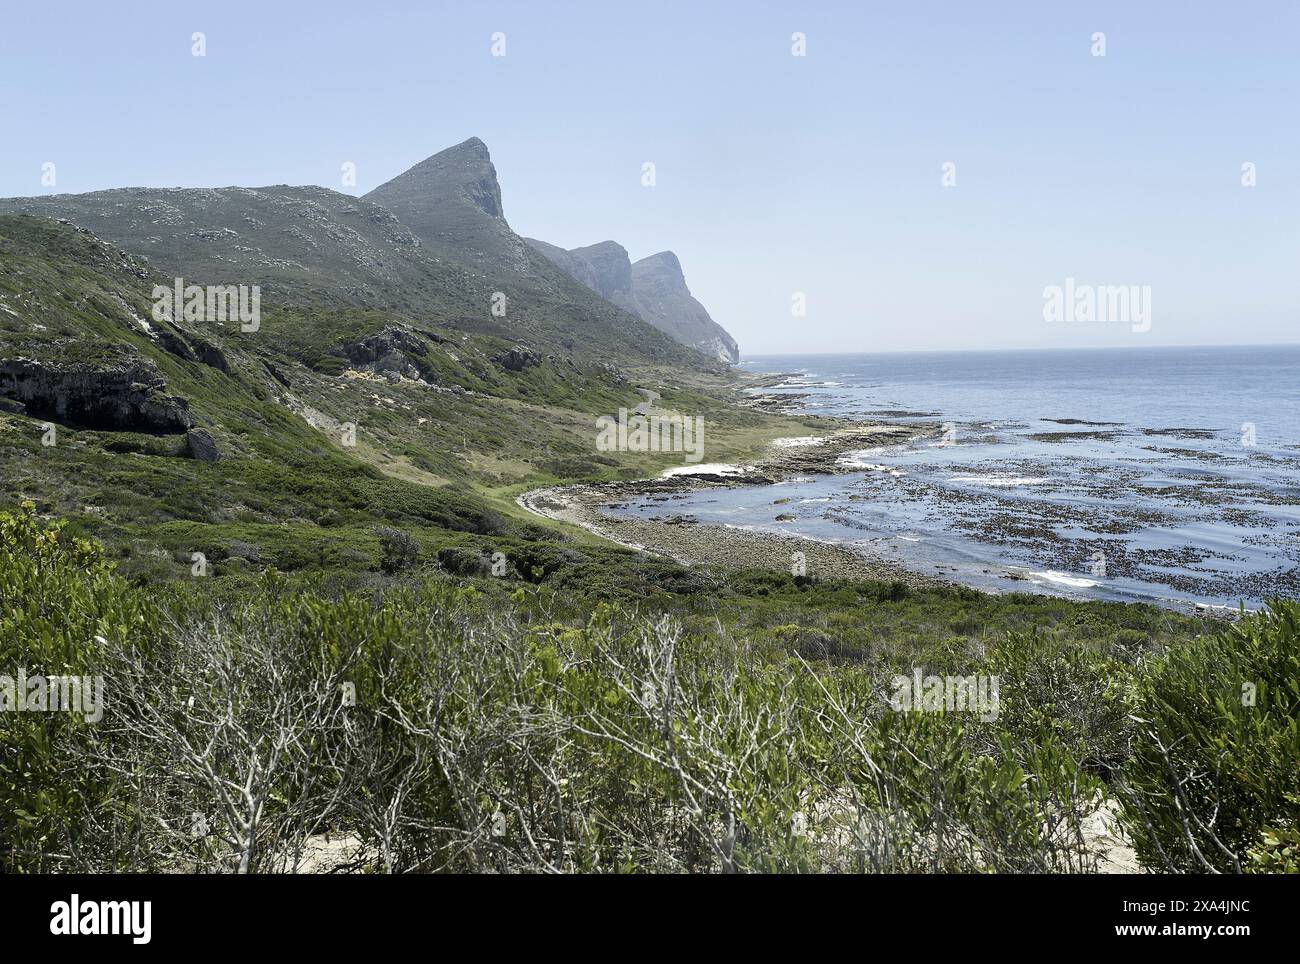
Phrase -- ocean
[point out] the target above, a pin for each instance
(1167, 475)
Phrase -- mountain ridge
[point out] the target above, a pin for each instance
(452, 202)
(431, 241)
(653, 288)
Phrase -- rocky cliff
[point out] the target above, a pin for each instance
(452, 203)
(127, 396)
(654, 289)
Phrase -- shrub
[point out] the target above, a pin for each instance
(62, 608)
(463, 562)
(490, 727)
(399, 550)
(1074, 692)
(1213, 771)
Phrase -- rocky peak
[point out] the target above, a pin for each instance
(662, 298)
(465, 170)
(452, 202)
(611, 268)
(666, 262)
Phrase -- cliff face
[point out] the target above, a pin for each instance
(654, 289)
(127, 396)
(611, 272)
(452, 203)
(663, 299)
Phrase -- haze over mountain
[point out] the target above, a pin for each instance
(653, 288)
(452, 200)
(432, 242)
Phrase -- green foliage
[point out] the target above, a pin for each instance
(61, 607)
(1278, 852)
(1074, 692)
(1213, 773)
(514, 723)
(400, 551)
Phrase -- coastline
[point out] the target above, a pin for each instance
(689, 542)
(693, 543)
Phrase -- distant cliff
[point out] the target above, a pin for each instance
(654, 289)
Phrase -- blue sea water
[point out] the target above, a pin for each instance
(1170, 475)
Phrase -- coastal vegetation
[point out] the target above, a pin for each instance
(440, 722)
(304, 605)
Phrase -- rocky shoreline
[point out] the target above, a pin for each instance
(690, 543)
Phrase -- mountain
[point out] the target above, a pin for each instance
(452, 202)
(653, 289)
(604, 268)
(663, 299)
(299, 436)
(441, 263)
(306, 244)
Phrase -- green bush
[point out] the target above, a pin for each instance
(61, 608)
(507, 726)
(1214, 767)
(1076, 693)
(399, 550)
(463, 562)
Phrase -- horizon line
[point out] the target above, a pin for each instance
(956, 351)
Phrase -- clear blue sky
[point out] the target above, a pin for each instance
(775, 173)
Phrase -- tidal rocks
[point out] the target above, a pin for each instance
(126, 395)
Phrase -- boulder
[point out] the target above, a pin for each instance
(202, 445)
(517, 358)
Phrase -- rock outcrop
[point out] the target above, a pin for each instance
(517, 358)
(124, 396)
(191, 347)
(393, 351)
